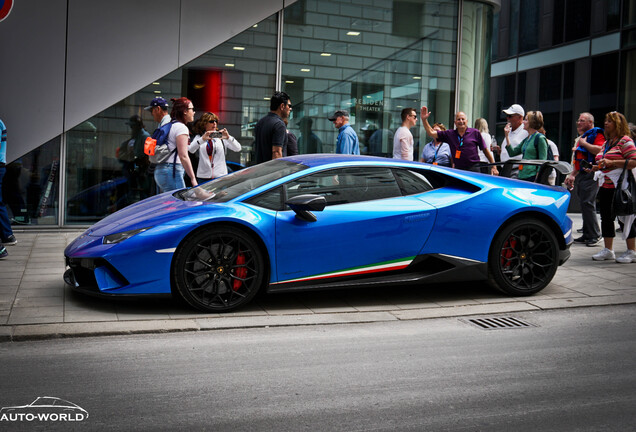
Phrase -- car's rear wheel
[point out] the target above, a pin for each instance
(218, 269)
(524, 256)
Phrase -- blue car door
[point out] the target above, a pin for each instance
(367, 226)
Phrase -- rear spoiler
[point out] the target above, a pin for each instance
(561, 167)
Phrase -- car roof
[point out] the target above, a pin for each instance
(314, 160)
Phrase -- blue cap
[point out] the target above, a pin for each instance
(157, 102)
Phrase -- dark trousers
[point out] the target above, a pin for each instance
(606, 197)
(586, 188)
(5, 223)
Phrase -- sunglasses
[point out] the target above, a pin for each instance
(214, 121)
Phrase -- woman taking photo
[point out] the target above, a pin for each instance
(534, 146)
(610, 161)
(169, 175)
(211, 150)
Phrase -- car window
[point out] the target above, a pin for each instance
(347, 185)
(237, 183)
(272, 199)
(412, 182)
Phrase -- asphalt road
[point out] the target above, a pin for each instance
(574, 371)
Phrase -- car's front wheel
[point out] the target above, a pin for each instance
(218, 269)
(524, 256)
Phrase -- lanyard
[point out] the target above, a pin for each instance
(461, 139)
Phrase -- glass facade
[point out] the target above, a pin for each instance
(373, 58)
(564, 57)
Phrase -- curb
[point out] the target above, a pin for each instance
(30, 332)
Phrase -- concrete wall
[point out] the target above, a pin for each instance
(63, 61)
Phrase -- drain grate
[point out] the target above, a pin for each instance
(498, 323)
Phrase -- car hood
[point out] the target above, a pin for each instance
(150, 212)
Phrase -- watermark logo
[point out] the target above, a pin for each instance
(44, 409)
(5, 8)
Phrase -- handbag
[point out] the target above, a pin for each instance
(624, 199)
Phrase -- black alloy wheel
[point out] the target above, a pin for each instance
(218, 269)
(524, 256)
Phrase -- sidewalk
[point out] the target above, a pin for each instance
(36, 304)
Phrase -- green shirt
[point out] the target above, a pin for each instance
(528, 148)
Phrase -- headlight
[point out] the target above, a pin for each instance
(120, 237)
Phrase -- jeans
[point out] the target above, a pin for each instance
(165, 179)
(5, 224)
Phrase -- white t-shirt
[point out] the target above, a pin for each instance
(555, 152)
(177, 129)
(487, 142)
(515, 136)
(403, 144)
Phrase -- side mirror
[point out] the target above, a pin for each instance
(303, 205)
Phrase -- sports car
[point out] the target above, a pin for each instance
(326, 221)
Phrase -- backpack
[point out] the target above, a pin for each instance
(156, 146)
(536, 148)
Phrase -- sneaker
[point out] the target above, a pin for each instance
(593, 242)
(9, 241)
(627, 257)
(605, 254)
(581, 239)
(3, 252)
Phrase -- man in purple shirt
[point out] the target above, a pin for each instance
(463, 141)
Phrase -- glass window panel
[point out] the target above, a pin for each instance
(528, 26)
(628, 104)
(233, 83)
(577, 19)
(558, 19)
(603, 85)
(358, 58)
(30, 187)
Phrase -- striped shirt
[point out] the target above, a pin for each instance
(622, 149)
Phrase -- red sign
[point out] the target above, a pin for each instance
(5, 8)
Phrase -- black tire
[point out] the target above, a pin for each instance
(218, 269)
(524, 256)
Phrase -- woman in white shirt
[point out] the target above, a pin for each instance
(482, 126)
(169, 174)
(211, 150)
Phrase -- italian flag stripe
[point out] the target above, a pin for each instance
(398, 264)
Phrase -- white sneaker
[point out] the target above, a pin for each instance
(605, 254)
(627, 257)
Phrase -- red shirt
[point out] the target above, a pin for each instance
(578, 155)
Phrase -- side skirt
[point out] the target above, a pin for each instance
(434, 268)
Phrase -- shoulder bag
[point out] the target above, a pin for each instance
(625, 199)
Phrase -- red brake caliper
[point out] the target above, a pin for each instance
(241, 272)
(508, 251)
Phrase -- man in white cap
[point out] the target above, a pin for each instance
(517, 133)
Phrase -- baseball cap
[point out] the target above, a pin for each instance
(337, 114)
(158, 101)
(134, 120)
(515, 109)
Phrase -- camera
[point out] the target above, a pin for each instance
(216, 134)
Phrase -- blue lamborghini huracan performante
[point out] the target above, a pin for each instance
(326, 221)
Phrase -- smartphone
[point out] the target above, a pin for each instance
(216, 134)
(586, 165)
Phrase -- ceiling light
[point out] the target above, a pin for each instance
(289, 82)
(229, 64)
(157, 92)
(155, 83)
(417, 77)
(353, 33)
(325, 54)
(238, 48)
(305, 70)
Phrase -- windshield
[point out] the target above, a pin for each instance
(236, 184)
